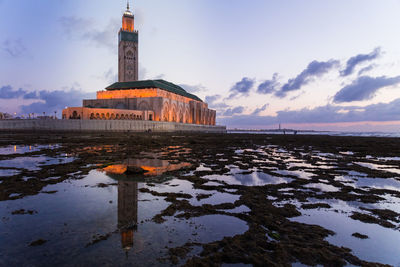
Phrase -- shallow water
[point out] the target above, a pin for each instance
(34, 163)
(79, 211)
(22, 149)
(107, 216)
(387, 251)
(252, 179)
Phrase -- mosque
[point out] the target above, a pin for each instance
(133, 99)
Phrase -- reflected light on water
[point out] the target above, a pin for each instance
(152, 167)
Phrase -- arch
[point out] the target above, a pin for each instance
(165, 112)
(103, 117)
(131, 117)
(144, 106)
(113, 116)
(74, 115)
(180, 116)
(173, 113)
(97, 116)
(129, 54)
(92, 116)
(187, 116)
(108, 116)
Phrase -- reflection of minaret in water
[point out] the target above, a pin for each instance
(127, 211)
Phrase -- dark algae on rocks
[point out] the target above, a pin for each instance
(199, 199)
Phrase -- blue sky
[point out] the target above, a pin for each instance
(305, 64)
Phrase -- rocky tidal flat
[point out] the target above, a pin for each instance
(198, 200)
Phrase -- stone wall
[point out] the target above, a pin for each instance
(106, 114)
(106, 125)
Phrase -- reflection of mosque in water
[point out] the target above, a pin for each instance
(128, 190)
(127, 212)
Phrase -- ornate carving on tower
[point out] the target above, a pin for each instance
(128, 49)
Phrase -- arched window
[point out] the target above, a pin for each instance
(117, 117)
(165, 112)
(92, 116)
(144, 106)
(180, 117)
(97, 116)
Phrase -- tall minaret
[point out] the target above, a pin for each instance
(128, 49)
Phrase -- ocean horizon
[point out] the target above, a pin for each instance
(311, 132)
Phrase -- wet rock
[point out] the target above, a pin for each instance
(315, 206)
(134, 170)
(22, 211)
(98, 238)
(38, 242)
(202, 196)
(49, 192)
(371, 219)
(361, 236)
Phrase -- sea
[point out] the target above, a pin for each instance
(331, 133)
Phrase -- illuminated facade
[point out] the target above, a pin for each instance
(128, 40)
(131, 99)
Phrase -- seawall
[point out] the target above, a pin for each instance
(106, 126)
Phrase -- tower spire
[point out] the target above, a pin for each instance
(127, 5)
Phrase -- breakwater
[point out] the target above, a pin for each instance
(106, 126)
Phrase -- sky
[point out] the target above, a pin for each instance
(322, 65)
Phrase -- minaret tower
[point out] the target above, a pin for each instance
(128, 49)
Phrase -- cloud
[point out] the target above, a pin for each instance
(47, 101)
(366, 69)
(193, 88)
(314, 69)
(6, 92)
(269, 86)
(324, 114)
(361, 58)
(159, 77)
(14, 48)
(104, 37)
(364, 88)
(73, 25)
(84, 29)
(212, 102)
(110, 76)
(257, 111)
(243, 87)
(233, 111)
(142, 72)
(31, 95)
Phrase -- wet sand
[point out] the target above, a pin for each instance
(223, 199)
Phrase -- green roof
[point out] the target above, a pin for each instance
(167, 86)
